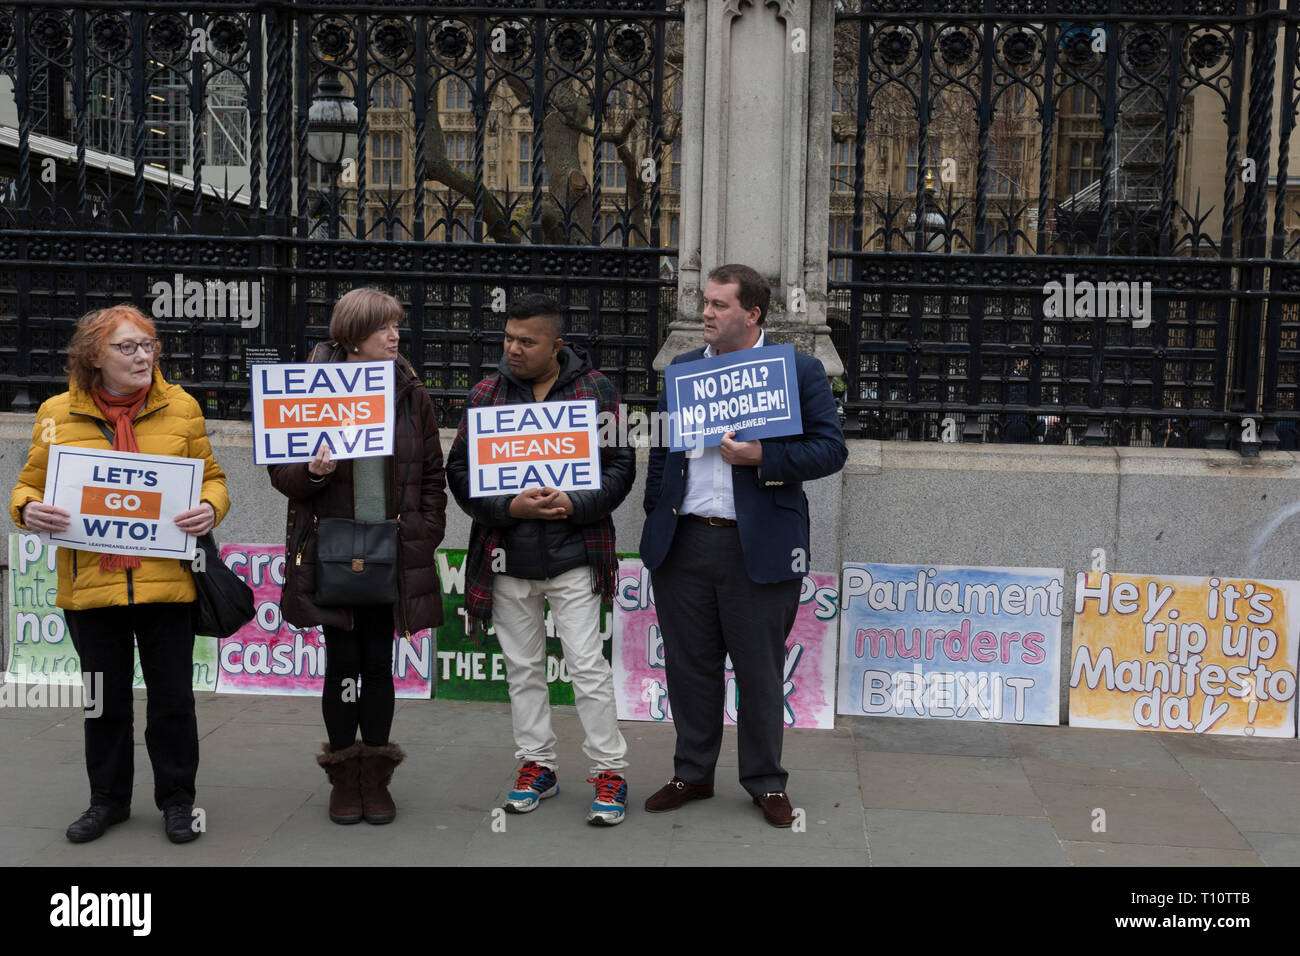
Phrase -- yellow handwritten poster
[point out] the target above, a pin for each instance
(1197, 655)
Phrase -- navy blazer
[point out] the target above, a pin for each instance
(771, 508)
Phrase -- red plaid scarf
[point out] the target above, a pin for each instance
(598, 537)
(120, 410)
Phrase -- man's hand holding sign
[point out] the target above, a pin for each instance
(753, 394)
(741, 452)
(545, 447)
(545, 503)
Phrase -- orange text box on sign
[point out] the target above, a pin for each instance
(116, 503)
(548, 446)
(296, 412)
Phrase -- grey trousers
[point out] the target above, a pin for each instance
(709, 608)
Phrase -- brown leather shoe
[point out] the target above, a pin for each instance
(776, 808)
(676, 792)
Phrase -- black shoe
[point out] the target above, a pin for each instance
(94, 823)
(178, 821)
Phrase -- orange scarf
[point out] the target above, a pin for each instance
(120, 410)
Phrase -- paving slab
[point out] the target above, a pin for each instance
(965, 738)
(239, 821)
(1098, 757)
(267, 709)
(804, 749)
(44, 785)
(1136, 854)
(916, 838)
(621, 845)
(442, 777)
(1137, 815)
(878, 790)
(415, 838)
(693, 852)
(935, 782)
(1276, 849)
(832, 815)
(1258, 796)
(464, 723)
(262, 755)
(1231, 746)
(1091, 747)
(20, 844)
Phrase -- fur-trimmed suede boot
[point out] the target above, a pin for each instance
(377, 766)
(343, 767)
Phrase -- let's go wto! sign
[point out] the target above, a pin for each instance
(123, 502)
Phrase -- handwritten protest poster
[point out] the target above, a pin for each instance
(937, 641)
(346, 406)
(467, 670)
(40, 648)
(513, 448)
(640, 684)
(754, 393)
(123, 502)
(1198, 655)
(270, 656)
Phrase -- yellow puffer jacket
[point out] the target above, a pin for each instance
(170, 423)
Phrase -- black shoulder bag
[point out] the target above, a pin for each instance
(225, 602)
(356, 561)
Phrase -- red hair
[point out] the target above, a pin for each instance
(90, 342)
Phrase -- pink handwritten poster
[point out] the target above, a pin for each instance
(640, 684)
(269, 656)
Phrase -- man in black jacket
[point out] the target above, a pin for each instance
(548, 545)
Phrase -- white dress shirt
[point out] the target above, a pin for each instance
(709, 491)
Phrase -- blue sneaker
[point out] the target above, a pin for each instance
(534, 783)
(611, 799)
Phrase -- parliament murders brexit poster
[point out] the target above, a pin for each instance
(924, 640)
(1198, 655)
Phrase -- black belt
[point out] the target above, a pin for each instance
(712, 522)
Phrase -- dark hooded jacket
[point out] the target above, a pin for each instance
(538, 549)
(416, 495)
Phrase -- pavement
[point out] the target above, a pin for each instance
(874, 791)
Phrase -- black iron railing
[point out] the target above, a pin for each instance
(132, 117)
(1120, 149)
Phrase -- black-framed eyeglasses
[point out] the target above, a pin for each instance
(128, 348)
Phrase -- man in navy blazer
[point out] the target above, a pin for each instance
(727, 543)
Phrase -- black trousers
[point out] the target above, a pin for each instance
(709, 608)
(365, 652)
(104, 638)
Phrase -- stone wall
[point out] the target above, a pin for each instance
(1147, 510)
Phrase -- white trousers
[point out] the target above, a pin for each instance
(517, 616)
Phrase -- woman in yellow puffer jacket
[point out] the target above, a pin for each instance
(117, 398)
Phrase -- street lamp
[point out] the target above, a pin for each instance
(332, 135)
(929, 233)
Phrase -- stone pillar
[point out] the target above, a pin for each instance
(756, 135)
